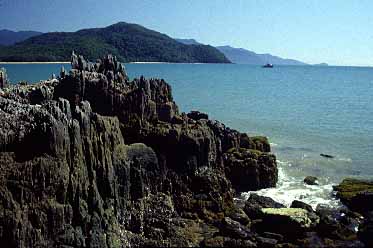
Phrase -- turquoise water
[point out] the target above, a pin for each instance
(304, 110)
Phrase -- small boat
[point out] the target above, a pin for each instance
(268, 66)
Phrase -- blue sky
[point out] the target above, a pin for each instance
(334, 31)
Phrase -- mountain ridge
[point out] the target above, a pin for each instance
(244, 56)
(9, 37)
(129, 42)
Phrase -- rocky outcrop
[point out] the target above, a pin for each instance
(310, 180)
(356, 194)
(3, 78)
(91, 159)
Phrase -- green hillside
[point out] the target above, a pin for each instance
(129, 42)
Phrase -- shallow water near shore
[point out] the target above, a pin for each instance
(304, 110)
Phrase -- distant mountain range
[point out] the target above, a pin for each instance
(8, 37)
(243, 56)
(129, 42)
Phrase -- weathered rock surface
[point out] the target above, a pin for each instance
(310, 180)
(91, 159)
(288, 221)
(3, 78)
(356, 194)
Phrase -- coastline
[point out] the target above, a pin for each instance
(192, 199)
(25, 63)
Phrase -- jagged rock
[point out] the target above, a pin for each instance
(310, 180)
(266, 242)
(256, 202)
(91, 159)
(259, 143)
(234, 229)
(250, 170)
(366, 230)
(335, 224)
(237, 214)
(299, 204)
(356, 194)
(196, 115)
(3, 78)
(291, 222)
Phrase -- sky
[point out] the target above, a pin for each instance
(338, 32)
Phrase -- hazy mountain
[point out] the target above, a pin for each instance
(243, 56)
(268, 58)
(129, 42)
(8, 37)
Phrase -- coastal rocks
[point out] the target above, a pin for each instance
(291, 222)
(356, 194)
(337, 224)
(255, 203)
(259, 143)
(91, 159)
(3, 78)
(310, 180)
(234, 229)
(196, 115)
(366, 230)
(250, 170)
(299, 204)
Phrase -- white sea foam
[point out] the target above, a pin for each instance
(289, 189)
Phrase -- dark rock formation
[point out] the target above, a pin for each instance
(299, 204)
(250, 169)
(366, 230)
(3, 78)
(310, 180)
(91, 159)
(356, 194)
(255, 203)
(196, 115)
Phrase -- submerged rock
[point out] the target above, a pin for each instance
(326, 155)
(310, 180)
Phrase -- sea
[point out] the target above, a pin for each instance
(305, 111)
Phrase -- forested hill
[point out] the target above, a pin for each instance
(129, 42)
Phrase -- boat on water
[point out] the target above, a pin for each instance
(268, 66)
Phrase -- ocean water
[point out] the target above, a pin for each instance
(304, 110)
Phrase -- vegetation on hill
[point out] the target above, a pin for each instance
(129, 42)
